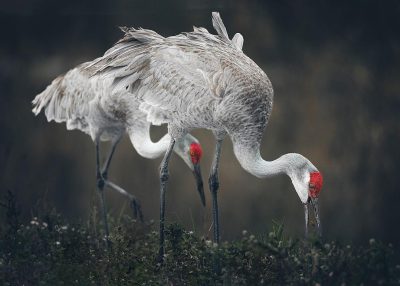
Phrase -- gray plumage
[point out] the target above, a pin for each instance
(89, 104)
(192, 80)
(200, 80)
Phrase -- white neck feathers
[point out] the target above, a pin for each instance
(147, 148)
(250, 159)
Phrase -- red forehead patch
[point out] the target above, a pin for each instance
(315, 185)
(195, 152)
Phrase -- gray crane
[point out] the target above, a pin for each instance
(88, 104)
(200, 80)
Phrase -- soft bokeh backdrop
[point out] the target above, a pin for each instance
(335, 70)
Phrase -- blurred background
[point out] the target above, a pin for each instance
(335, 71)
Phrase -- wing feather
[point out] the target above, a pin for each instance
(166, 74)
(220, 27)
(66, 99)
(238, 40)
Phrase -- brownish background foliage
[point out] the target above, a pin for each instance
(334, 66)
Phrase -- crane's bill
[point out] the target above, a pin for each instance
(199, 182)
(307, 221)
(314, 203)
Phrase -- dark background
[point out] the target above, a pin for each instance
(335, 70)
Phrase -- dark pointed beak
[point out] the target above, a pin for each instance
(199, 182)
(314, 203)
(306, 219)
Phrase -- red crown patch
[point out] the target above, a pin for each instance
(315, 186)
(195, 152)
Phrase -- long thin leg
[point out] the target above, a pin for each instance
(106, 165)
(213, 182)
(163, 187)
(134, 203)
(100, 188)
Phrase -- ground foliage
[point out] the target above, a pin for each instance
(48, 250)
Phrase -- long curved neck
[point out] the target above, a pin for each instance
(296, 166)
(141, 141)
(250, 159)
(147, 148)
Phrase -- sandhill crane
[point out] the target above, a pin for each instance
(88, 104)
(200, 80)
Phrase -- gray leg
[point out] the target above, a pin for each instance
(134, 203)
(163, 187)
(100, 188)
(213, 182)
(106, 166)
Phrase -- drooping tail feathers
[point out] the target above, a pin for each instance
(49, 99)
(66, 99)
(218, 24)
(220, 27)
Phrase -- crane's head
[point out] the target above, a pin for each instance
(189, 149)
(314, 189)
(195, 152)
(315, 184)
(307, 181)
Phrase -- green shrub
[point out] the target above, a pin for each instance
(50, 251)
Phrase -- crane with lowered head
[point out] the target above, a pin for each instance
(201, 80)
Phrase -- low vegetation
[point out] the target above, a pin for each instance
(47, 250)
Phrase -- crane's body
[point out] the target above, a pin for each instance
(83, 103)
(193, 80)
(90, 105)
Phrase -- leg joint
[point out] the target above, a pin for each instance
(101, 183)
(164, 175)
(213, 182)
